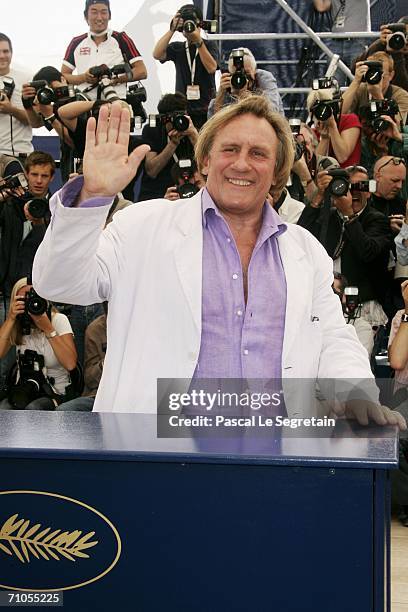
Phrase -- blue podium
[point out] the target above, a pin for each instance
(96, 507)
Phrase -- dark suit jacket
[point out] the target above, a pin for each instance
(365, 254)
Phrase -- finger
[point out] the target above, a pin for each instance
(124, 127)
(102, 125)
(114, 122)
(378, 414)
(90, 134)
(137, 156)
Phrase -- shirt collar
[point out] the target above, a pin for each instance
(271, 222)
(108, 33)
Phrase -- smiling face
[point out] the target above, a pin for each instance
(98, 18)
(241, 164)
(5, 57)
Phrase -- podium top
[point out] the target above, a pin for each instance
(133, 437)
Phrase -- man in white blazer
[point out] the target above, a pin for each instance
(216, 285)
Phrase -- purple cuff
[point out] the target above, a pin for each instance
(71, 191)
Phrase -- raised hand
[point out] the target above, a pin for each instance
(107, 166)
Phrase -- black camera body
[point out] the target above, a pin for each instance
(14, 181)
(178, 119)
(328, 98)
(374, 73)
(398, 39)
(371, 114)
(239, 78)
(135, 96)
(100, 71)
(47, 95)
(340, 184)
(33, 304)
(7, 87)
(32, 383)
(186, 189)
(190, 22)
(103, 71)
(38, 207)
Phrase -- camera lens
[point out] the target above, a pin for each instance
(187, 190)
(38, 207)
(339, 187)
(373, 76)
(396, 41)
(180, 123)
(379, 125)
(322, 111)
(36, 305)
(45, 95)
(189, 27)
(238, 80)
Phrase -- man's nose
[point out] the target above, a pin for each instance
(241, 162)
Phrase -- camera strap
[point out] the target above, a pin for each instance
(191, 65)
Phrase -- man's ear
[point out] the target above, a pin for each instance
(205, 166)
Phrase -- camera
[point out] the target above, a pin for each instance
(32, 382)
(328, 98)
(340, 184)
(136, 94)
(239, 78)
(37, 207)
(190, 22)
(33, 304)
(185, 172)
(371, 114)
(351, 306)
(374, 72)
(14, 181)
(300, 146)
(398, 39)
(364, 186)
(178, 119)
(108, 92)
(100, 71)
(7, 87)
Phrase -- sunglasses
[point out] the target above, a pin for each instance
(395, 160)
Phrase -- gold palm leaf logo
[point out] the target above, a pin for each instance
(18, 538)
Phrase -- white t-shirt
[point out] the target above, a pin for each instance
(15, 137)
(37, 341)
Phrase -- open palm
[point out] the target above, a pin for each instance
(107, 166)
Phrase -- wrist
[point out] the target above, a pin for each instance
(51, 334)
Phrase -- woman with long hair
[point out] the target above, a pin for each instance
(52, 354)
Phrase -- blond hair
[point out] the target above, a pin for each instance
(383, 57)
(16, 332)
(259, 106)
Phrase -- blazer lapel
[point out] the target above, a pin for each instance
(189, 253)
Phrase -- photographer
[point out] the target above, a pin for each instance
(171, 140)
(187, 180)
(376, 86)
(20, 231)
(244, 77)
(15, 131)
(195, 60)
(357, 237)
(352, 310)
(399, 53)
(101, 46)
(339, 132)
(50, 336)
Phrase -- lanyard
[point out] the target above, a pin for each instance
(192, 66)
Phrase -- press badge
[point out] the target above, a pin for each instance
(193, 92)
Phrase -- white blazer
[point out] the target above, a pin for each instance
(148, 264)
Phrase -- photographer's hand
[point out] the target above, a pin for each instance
(17, 307)
(323, 180)
(175, 137)
(107, 166)
(172, 194)
(191, 132)
(42, 322)
(5, 105)
(33, 220)
(396, 222)
(344, 204)
(393, 130)
(89, 78)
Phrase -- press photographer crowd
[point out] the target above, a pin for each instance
(347, 185)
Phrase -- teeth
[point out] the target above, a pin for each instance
(239, 182)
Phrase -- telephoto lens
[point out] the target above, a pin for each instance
(38, 207)
(180, 123)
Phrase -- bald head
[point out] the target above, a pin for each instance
(390, 174)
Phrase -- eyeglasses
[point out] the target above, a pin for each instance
(395, 160)
(352, 169)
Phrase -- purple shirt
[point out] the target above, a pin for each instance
(238, 340)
